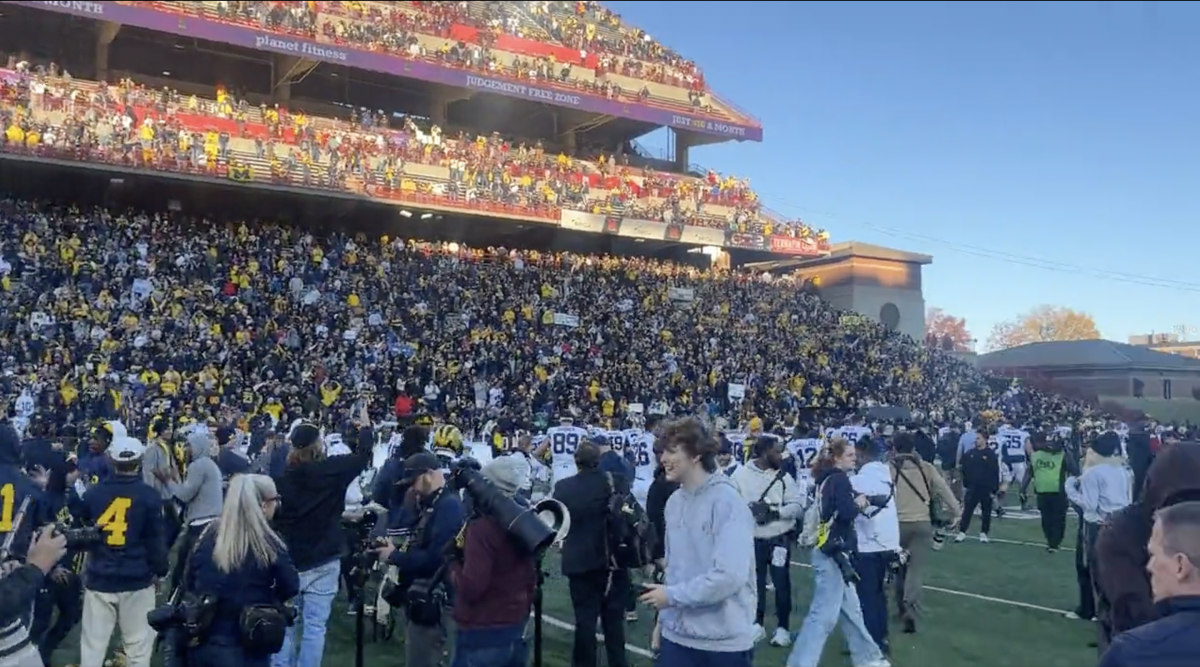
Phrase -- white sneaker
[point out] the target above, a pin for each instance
(759, 633)
(878, 663)
(770, 586)
(960, 536)
(631, 616)
(781, 638)
(983, 538)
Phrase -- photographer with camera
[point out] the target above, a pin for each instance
(19, 587)
(925, 506)
(878, 532)
(127, 554)
(836, 545)
(310, 524)
(242, 569)
(440, 517)
(493, 582)
(776, 501)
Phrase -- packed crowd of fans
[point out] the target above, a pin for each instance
(444, 32)
(160, 128)
(201, 316)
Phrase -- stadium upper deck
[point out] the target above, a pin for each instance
(511, 172)
(398, 39)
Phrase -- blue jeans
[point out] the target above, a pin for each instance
(833, 600)
(318, 587)
(491, 647)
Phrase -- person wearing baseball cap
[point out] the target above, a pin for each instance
(442, 516)
(129, 558)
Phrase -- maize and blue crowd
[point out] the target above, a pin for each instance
(216, 389)
(175, 382)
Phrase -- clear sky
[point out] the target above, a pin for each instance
(1042, 152)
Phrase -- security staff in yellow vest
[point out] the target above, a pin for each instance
(1049, 470)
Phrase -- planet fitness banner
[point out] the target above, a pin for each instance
(389, 64)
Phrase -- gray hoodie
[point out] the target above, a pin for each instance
(711, 594)
(157, 459)
(201, 487)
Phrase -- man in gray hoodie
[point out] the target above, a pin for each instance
(200, 492)
(159, 461)
(707, 606)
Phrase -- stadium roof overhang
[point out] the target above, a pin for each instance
(839, 252)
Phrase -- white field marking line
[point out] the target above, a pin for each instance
(1019, 543)
(563, 625)
(976, 596)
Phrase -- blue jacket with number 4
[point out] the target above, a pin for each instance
(133, 548)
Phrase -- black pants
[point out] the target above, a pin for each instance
(780, 576)
(1053, 508)
(225, 652)
(1085, 549)
(172, 522)
(976, 499)
(66, 597)
(190, 537)
(591, 602)
(872, 570)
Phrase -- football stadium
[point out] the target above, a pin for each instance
(344, 196)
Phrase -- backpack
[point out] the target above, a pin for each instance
(812, 521)
(629, 536)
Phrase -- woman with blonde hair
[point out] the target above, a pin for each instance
(242, 563)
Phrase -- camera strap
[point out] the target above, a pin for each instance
(778, 478)
(181, 590)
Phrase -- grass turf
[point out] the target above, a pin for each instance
(989, 605)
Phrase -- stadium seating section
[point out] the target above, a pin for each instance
(373, 310)
(620, 62)
(225, 137)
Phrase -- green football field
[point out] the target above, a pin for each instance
(988, 605)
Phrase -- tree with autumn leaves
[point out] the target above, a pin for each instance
(946, 332)
(1043, 324)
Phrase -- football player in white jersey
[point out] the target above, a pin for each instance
(559, 449)
(639, 450)
(1013, 443)
(804, 451)
(853, 431)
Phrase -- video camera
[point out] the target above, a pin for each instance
(81, 538)
(532, 529)
(181, 624)
(835, 548)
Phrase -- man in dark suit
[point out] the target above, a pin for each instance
(598, 589)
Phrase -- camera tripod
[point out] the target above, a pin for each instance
(360, 574)
(537, 613)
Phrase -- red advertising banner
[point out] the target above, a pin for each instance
(526, 47)
(790, 245)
